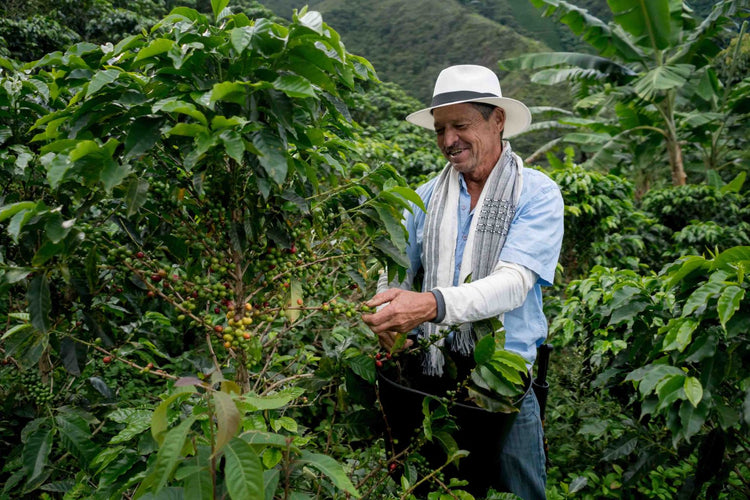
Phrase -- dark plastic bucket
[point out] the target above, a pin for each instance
(480, 432)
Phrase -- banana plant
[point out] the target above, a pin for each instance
(652, 67)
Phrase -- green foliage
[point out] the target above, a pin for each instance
(408, 43)
(676, 208)
(31, 29)
(700, 218)
(657, 344)
(637, 98)
(618, 316)
(382, 110)
(191, 214)
(602, 224)
(193, 209)
(33, 37)
(496, 380)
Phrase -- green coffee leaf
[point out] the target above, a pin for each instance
(272, 155)
(217, 6)
(198, 485)
(233, 144)
(40, 302)
(170, 454)
(35, 453)
(229, 91)
(135, 195)
(393, 225)
(670, 389)
(364, 366)
(227, 418)
(159, 420)
(138, 421)
(113, 462)
(410, 195)
(294, 86)
(100, 79)
(484, 349)
(175, 105)
(729, 303)
(142, 135)
(650, 376)
(260, 440)
(679, 334)
(693, 390)
(8, 211)
(156, 47)
(692, 418)
(271, 482)
(331, 468)
(273, 401)
(76, 437)
(243, 471)
(56, 228)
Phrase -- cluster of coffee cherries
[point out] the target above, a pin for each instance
(382, 358)
(35, 390)
(237, 331)
(345, 308)
(239, 321)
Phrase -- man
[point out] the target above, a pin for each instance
(489, 240)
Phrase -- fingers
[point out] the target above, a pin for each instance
(383, 297)
(405, 311)
(388, 341)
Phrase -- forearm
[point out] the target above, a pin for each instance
(502, 291)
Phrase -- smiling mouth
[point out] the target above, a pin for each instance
(452, 153)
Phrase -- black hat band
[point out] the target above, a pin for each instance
(458, 96)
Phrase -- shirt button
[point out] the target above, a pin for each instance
(465, 237)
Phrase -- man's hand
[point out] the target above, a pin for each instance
(404, 311)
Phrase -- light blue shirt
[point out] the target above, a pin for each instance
(534, 240)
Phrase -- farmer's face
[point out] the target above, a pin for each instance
(470, 143)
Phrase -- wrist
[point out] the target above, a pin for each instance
(440, 305)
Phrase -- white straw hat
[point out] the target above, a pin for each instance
(471, 83)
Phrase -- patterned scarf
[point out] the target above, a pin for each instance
(495, 208)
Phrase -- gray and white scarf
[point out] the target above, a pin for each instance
(495, 208)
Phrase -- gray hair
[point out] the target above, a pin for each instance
(486, 111)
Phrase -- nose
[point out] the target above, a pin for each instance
(450, 137)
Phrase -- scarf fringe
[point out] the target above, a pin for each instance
(463, 341)
(432, 363)
(434, 359)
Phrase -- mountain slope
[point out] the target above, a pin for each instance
(409, 42)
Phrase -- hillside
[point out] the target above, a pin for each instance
(408, 42)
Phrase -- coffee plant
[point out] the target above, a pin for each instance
(189, 227)
(669, 349)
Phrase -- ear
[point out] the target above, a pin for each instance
(498, 114)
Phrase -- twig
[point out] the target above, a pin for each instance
(284, 381)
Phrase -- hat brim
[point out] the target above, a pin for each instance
(517, 115)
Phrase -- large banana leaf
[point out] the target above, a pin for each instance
(600, 35)
(602, 66)
(649, 21)
(662, 78)
(699, 41)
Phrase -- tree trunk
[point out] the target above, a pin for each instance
(679, 177)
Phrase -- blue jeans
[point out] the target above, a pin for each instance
(522, 461)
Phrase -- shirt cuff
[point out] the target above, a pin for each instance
(440, 306)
